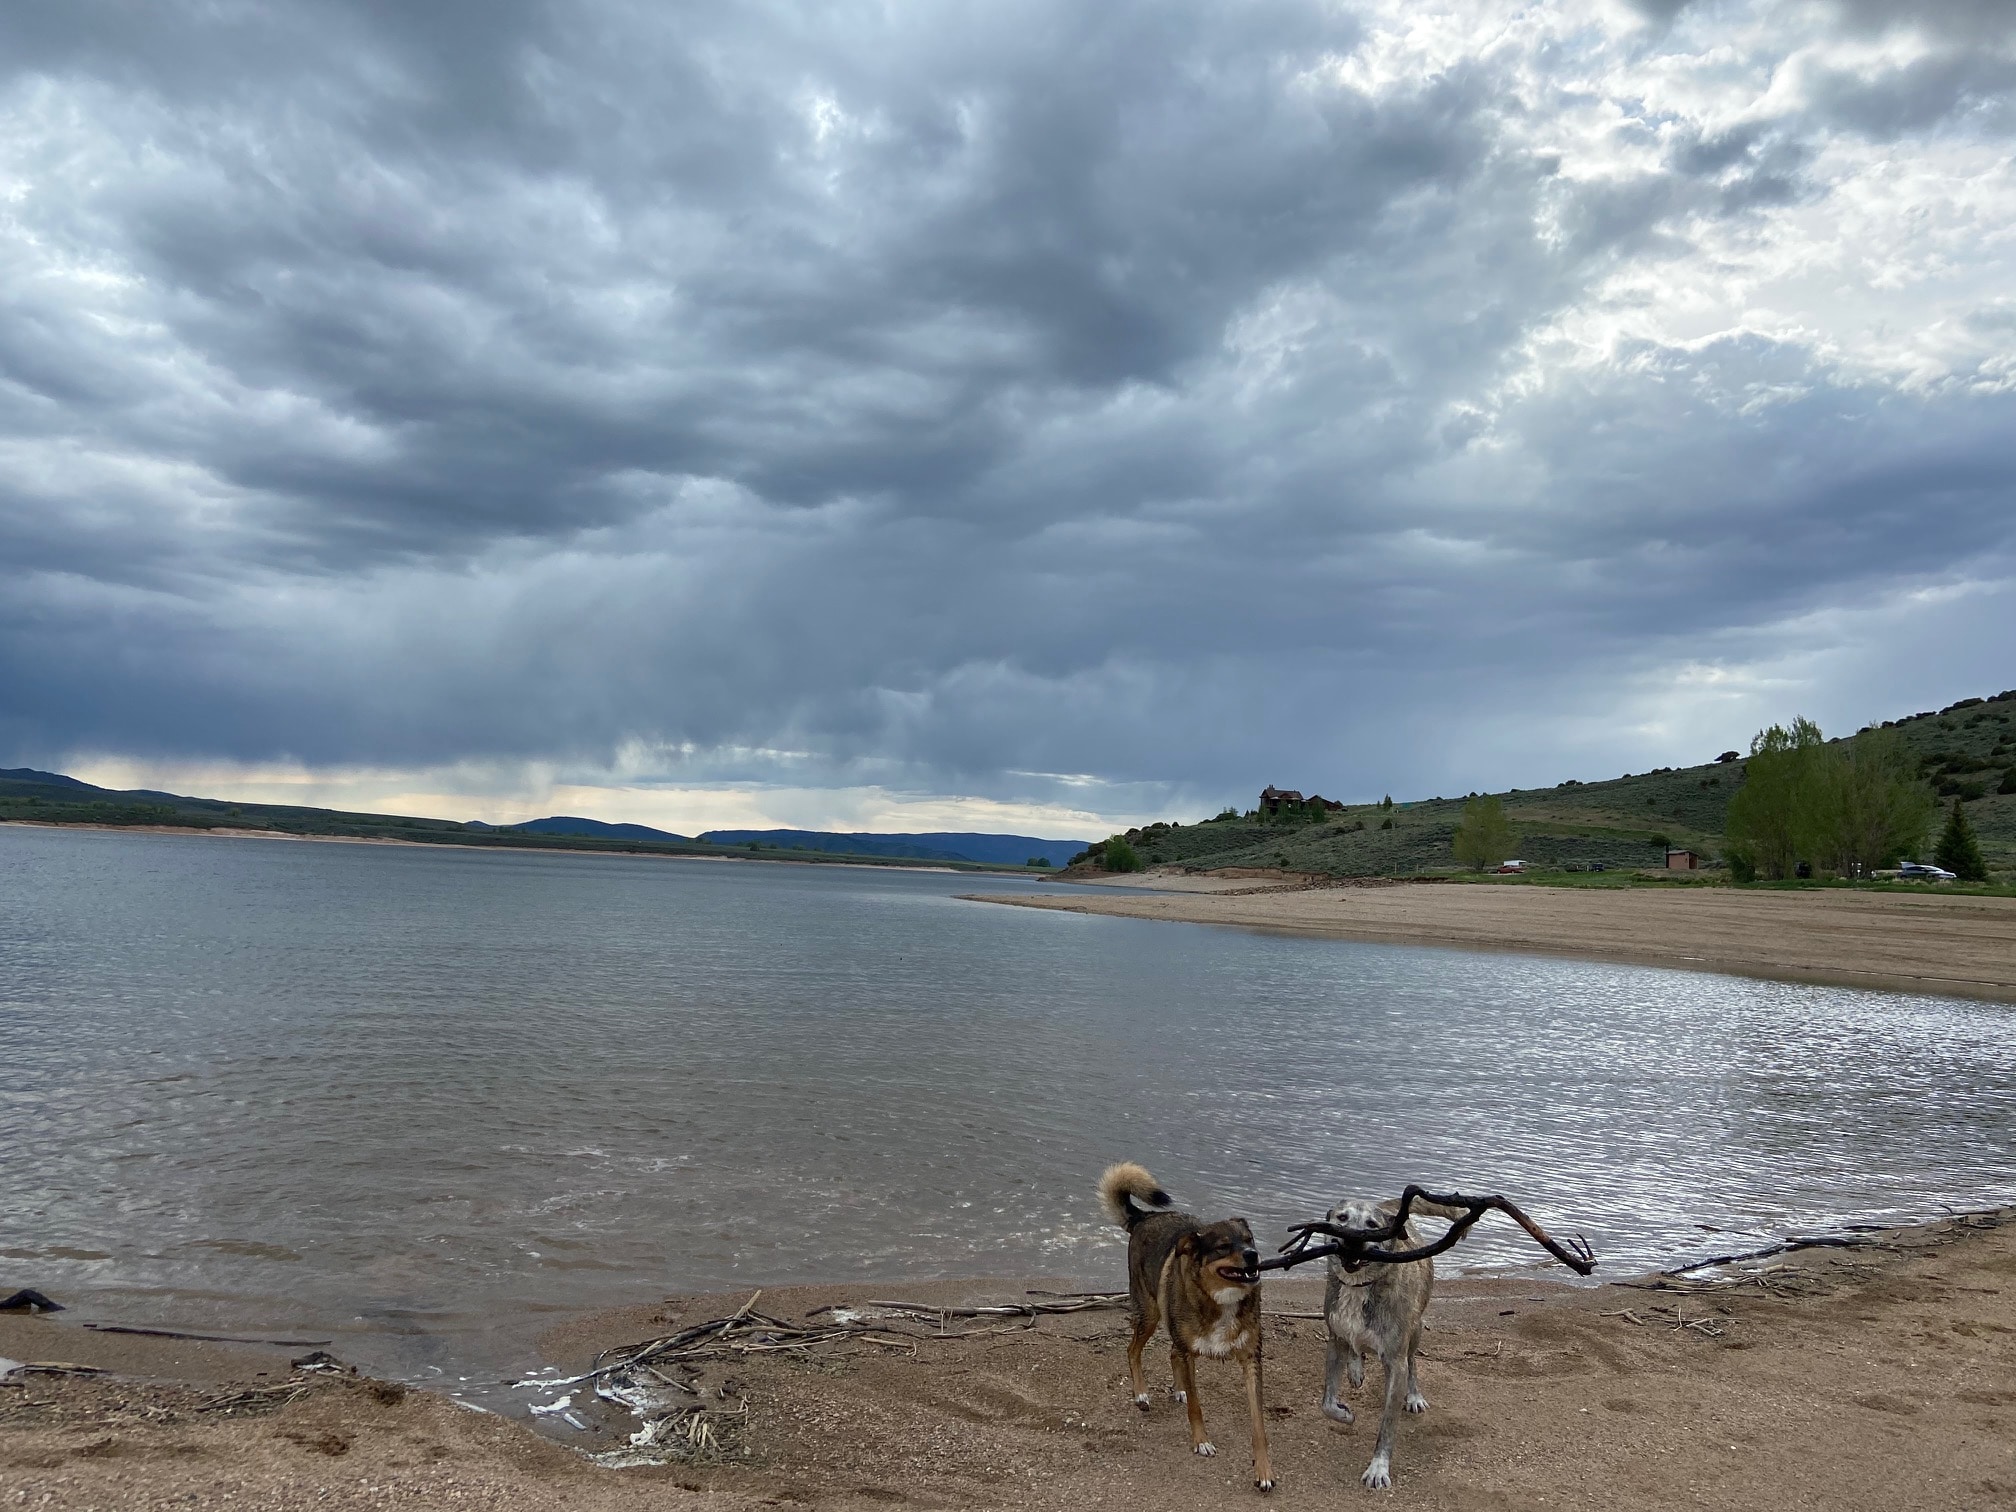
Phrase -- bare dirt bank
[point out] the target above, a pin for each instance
(1876, 1377)
(1964, 946)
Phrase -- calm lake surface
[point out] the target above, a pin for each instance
(421, 1101)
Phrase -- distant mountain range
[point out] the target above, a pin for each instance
(947, 845)
(52, 797)
(990, 850)
(569, 824)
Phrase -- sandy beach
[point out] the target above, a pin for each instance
(1882, 1376)
(1955, 945)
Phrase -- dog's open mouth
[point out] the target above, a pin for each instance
(1239, 1275)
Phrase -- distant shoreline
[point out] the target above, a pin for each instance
(1893, 942)
(809, 858)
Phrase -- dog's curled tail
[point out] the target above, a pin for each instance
(1127, 1183)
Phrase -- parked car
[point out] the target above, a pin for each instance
(1512, 868)
(1919, 871)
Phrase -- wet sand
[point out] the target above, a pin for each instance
(1954, 945)
(1876, 1377)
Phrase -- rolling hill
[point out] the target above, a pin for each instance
(1967, 750)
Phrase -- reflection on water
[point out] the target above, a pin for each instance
(387, 1094)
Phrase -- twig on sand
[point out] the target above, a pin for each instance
(1679, 1322)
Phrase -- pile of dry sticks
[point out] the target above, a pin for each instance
(658, 1380)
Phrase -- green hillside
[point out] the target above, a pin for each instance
(1967, 750)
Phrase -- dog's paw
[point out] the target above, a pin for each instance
(1144, 1401)
(1263, 1485)
(1207, 1448)
(1337, 1412)
(1180, 1398)
(1416, 1402)
(1378, 1475)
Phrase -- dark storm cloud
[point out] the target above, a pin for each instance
(920, 396)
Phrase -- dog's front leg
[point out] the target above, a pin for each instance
(1185, 1370)
(1379, 1474)
(1333, 1383)
(1415, 1401)
(1263, 1469)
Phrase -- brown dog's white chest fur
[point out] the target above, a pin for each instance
(1229, 1333)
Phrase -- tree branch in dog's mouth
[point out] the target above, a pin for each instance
(1357, 1247)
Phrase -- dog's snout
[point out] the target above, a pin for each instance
(1250, 1256)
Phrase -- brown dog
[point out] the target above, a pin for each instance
(1198, 1278)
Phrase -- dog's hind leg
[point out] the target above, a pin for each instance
(1263, 1469)
(1379, 1474)
(1145, 1322)
(1333, 1381)
(1185, 1371)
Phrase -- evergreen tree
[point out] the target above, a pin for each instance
(1959, 852)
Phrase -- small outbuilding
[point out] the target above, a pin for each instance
(1682, 860)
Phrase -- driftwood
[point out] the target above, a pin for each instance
(1358, 1247)
(29, 1300)
(1065, 1303)
(1817, 1241)
(208, 1338)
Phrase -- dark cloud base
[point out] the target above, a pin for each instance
(1139, 391)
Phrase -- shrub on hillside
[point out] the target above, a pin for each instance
(1119, 856)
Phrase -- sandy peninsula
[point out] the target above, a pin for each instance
(1880, 1377)
(1950, 944)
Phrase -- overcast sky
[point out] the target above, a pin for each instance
(1034, 416)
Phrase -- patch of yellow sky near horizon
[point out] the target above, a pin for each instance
(512, 796)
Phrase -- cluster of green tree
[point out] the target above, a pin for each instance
(1485, 837)
(1846, 808)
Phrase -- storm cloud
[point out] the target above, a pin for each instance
(1097, 407)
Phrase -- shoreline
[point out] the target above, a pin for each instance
(224, 832)
(1895, 942)
(1877, 1375)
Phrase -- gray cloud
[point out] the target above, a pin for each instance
(1156, 392)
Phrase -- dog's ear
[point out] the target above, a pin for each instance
(1187, 1245)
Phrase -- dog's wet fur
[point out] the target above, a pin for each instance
(1201, 1281)
(1378, 1310)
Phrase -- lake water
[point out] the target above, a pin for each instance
(422, 1100)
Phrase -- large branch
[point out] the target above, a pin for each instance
(1358, 1247)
